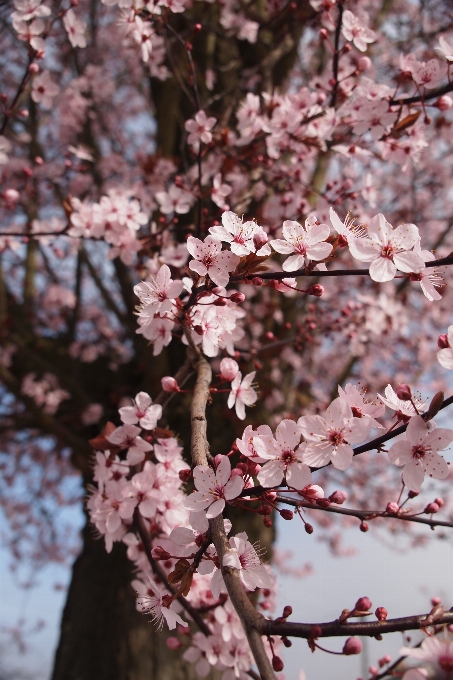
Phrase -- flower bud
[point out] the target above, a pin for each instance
(442, 341)
(228, 369)
(198, 329)
(185, 475)
(260, 239)
(381, 613)
(363, 604)
(169, 384)
(257, 281)
(385, 660)
(173, 643)
(159, 553)
(316, 289)
(347, 48)
(33, 68)
(363, 64)
(323, 34)
(265, 510)
(403, 392)
(38, 160)
(287, 611)
(392, 508)
(11, 195)
(431, 508)
(323, 502)
(237, 297)
(237, 472)
(218, 459)
(267, 522)
(287, 642)
(338, 497)
(308, 528)
(444, 103)
(352, 646)
(220, 302)
(364, 526)
(277, 664)
(270, 495)
(435, 601)
(440, 502)
(413, 494)
(286, 514)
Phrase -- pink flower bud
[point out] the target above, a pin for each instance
(218, 459)
(440, 502)
(364, 527)
(373, 670)
(237, 472)
(385, 660)
(431, 508)
(38, 160)
(363, 64)
(237, 297)
(316, 289)
(403, 392)
(270, 495)
(173, 643)
(23, 113)
(363, 604)
(381, 613)
(228, 369)
(260, 239)
(442, 341)
(444, 103)
(169, 384)
(257, 281)
(352, 646)
(435, 601)
(33, 68)
(220, 302)
(338, 497)
(11, 195)
(413, 494)
(323, 34)
(392, 508)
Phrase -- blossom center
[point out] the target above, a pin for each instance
(336, 437)
(288, 457)
(356, 412)
(419, 451)
(387, 251)
(446, 662)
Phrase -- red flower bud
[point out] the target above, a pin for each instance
(277, 664)
(308, 528)
(442, 341)
(403, 392)
(316, 289)
(364, 527)
(286, 514)
(185, 475)
(381, 613)
(352, 646)
(257, 281)
(392, 508)
(287, 611)
(237, 297)
(431, 508)
(267, 522)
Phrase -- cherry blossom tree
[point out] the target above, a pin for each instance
(214, 220)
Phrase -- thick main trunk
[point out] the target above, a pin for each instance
(103, 637)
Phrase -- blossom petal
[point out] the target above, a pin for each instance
(382, 269)
(215, 509)
(298, 475)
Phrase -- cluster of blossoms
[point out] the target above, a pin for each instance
(148, 480)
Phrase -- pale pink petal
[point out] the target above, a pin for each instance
(271, 474)
(234, 487)
(445, 358)
(319, 251)
(282, 246)
(128, 415)
(215, 509)
(293, 263)
(204, 478)
(288, 434)
(231, 559)
(400, 453)
(223, 471)
(298, 475)
(363, 249)
(312, 427)
(197, 501)
(408, 262)
(379, 229)
(439, 438)
(435, 466)
(199, 267)
(342, 456)
(413, 475)
(315, 456)
(382, 269)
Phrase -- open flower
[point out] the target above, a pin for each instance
(153, 602)
(419, 453)
(284, 457)
(240, 235)
(308, 243)
(243, 557)
(158, 294)
(388, 249)
(242, 393)
(433, 650)
(210, 260)
(329, 439)
(399, 405)
(213, 488)
(126, 437)
(143, 411)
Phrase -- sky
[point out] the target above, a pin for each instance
(402, 582)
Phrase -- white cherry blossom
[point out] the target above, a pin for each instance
(242, 393)
(213, 488)
(329, 439)
(159, 606)
(308, 243)
(240, 235)
(284, 456)
(418, 452)
(157, 295)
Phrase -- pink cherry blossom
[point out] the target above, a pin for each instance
(126, 436)
(418, 452)
(75, 29)
(246, 446)
(399, 405)
(157, 295)
(157, 605)
(144, 412)
(243, 557)
(213, 488)
(355, 30)
(239, 234)
(242, 393)
(433, 650)
(284, 457)
(388, 249)
(176, 200)
(445, 356)
(445, 49)
(200, 129)
(210, 260)
(329, 439)
(44, 90)
(308, 243)
(361, 408)
(158, 331)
